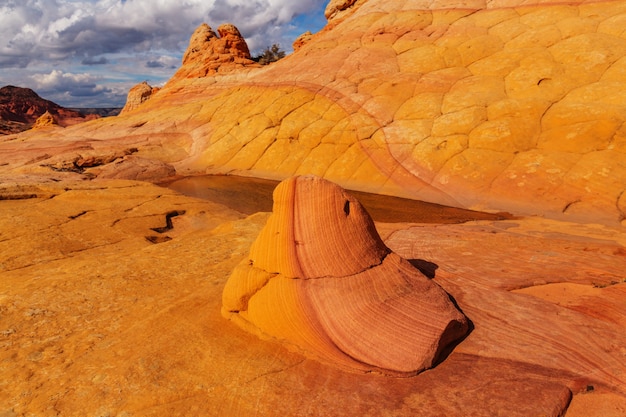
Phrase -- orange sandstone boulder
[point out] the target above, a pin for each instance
(46, 119)
(336, 8)
(137, 95)
(319, 279)
(302, 40)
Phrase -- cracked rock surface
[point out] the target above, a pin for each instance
(501, 105)
(111, 296)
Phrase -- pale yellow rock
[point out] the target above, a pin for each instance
(478, 47)
(434, 152)
(44, 120)
(422, 59)
(505, 135)
(473, 91)
(581, 137)
(426, 105)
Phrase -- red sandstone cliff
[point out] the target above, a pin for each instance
(21, 107)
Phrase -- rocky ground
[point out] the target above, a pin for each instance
(108, 308)
(111, 286)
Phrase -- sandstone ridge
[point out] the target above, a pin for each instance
(320, 280)
(474, 104)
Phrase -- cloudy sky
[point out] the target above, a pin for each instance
(88, 53)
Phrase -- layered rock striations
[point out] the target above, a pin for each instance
(209, 54)
(320, 279)
(137, 95)
(474, 104)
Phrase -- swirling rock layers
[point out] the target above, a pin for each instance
(319, 279)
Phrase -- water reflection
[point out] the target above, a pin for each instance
(250, 195)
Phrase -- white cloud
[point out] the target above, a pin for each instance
(68, 85)
(66, 34)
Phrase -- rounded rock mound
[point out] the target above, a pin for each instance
(320, 280)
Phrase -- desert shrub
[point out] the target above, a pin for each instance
(270, 54)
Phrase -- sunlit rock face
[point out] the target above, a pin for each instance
(500, 105)
(137, 95)
(210, 53)
(44, 120)
(319, 279)
(335, 8)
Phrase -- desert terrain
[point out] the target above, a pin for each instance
(485, 139)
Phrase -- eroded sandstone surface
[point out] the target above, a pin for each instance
(320, 279)
(512, 106)
(111, 288)
(108, 307)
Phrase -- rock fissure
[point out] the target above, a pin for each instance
(277, 371)
(331, 276)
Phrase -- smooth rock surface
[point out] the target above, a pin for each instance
(104, 310)
(320, 280)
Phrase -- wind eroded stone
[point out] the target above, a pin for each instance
(320, 280)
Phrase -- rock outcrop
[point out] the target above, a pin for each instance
(108, 307)
(137, 95)
(505, 106)
(302, 40)
(336, 8)
(512, 105)
(320, 280)
(45, 120)
(209, 54)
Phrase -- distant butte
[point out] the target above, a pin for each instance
(21, 107)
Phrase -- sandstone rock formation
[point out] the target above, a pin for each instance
(474, 104)
(44, 120)
(336, 8)
(209, 54)
(137, 95)
(106, 310)
(320, 279)
(302, 40)
(509, 105)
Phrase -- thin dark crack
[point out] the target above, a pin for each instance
(75, 216)
(277, 371)
(568, 205)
